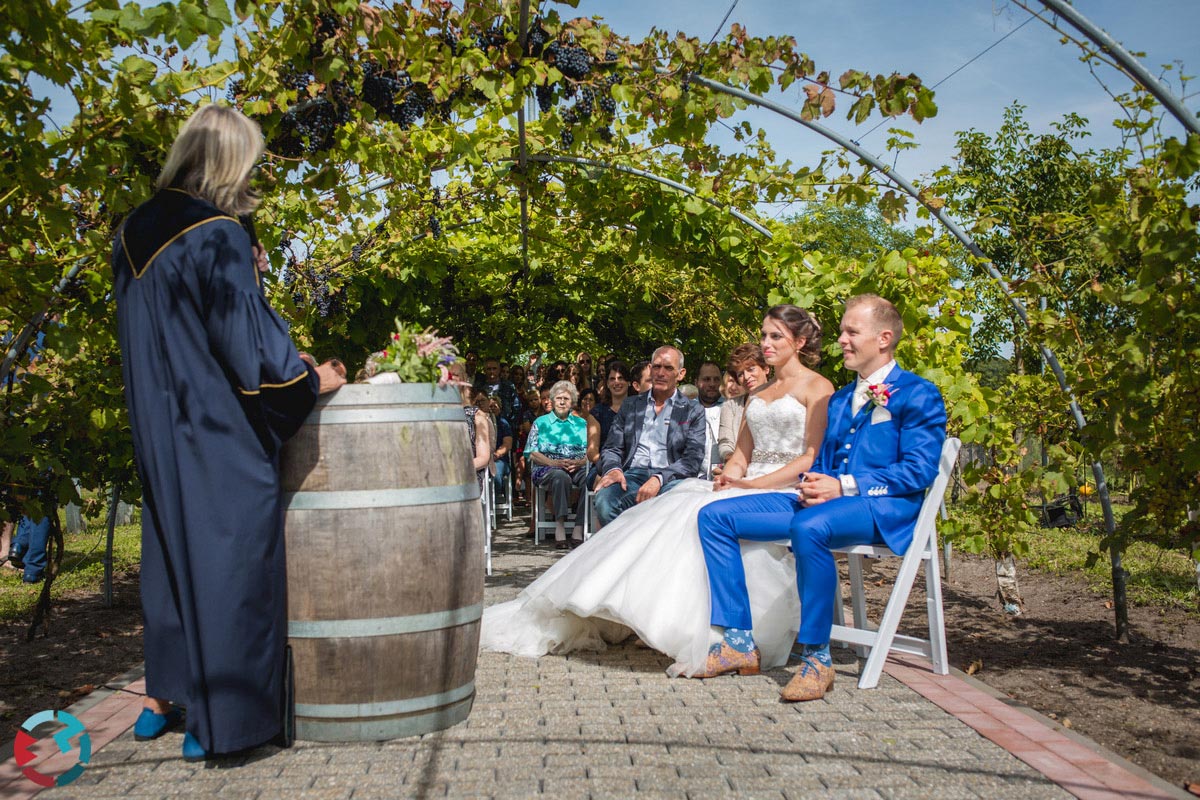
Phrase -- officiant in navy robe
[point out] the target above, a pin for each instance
(214, 386)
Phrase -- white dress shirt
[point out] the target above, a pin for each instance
(861, 395)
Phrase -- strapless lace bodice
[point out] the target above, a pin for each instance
(778, 431)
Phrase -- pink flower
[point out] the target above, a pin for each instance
(879, 393)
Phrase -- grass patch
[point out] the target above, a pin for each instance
(1157, 577)
(82, 569)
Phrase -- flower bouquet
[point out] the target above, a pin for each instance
(414, 355)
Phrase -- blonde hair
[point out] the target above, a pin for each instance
(212, 158)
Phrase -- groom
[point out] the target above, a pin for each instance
(879, 454)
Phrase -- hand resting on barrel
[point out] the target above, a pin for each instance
(332, 373)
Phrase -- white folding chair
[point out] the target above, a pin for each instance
(876, 643)
(539, 524)
(485, 503)
(504, 502)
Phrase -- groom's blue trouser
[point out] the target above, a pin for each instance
(813, 531)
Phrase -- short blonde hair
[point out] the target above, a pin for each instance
(885, 315)
(212, 158)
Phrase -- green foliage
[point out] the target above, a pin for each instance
(82, 570)
(411, 204)
(420, 203)
(1157, 577)
(1102, 249)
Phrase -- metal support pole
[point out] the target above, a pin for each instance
(108, 546)
(587, 162)
(522, 149)
(1130, 65)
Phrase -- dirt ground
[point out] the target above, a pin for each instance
(1060, 657)
(1141, 699)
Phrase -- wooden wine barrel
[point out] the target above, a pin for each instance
(385, 563)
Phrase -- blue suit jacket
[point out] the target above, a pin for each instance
(685, 438)
(893, 460)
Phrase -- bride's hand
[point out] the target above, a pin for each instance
(738, 483)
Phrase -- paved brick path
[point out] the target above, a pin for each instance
(613, 724)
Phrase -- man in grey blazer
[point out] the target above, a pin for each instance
(656, 440)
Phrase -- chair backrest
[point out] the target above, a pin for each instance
(933, 497)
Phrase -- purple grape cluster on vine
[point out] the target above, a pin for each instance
(309, 286)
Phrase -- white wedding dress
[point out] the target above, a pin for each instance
(645, 573)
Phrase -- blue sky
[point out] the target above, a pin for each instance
(933, 38)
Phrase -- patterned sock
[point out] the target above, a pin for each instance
(739, 639)
(819, 653)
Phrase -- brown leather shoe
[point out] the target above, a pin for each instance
(812, 681)
(723, 659)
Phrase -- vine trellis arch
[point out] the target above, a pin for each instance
(1124, 61)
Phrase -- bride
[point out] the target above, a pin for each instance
(644, 572)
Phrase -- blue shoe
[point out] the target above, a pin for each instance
(151, 725)
(192, 751)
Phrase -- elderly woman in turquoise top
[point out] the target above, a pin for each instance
(557, 448)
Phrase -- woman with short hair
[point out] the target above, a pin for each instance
(557, 449)
(749, 365)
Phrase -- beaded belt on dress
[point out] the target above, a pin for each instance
(773, 456)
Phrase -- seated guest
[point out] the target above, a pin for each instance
(708, 382)
(502, 450)
(616, 383)
(557, 448)
(730, 386)
(656, 440)
(689, 391)
(517, 377)
(558, 371)
(478, 424)
(748, 364)
(587, 402)
(471, 362)
(640, 377)
(587, 380)
(490, 381)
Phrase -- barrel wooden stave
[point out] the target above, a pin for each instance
(385, 564)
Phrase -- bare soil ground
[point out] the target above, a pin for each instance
(1140, 699)
(1061, 658)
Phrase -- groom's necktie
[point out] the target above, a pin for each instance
(861, 394)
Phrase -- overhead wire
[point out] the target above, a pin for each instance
(960, 68)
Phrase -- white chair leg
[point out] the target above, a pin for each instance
(487, 524)
(512, 493)
(839, 606)
(587, 513)
(873, 669)
(536, 491)
(937, 618)
(858, 599)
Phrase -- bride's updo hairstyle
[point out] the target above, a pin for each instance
(802, 325)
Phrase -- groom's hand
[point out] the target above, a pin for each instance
(817, 488)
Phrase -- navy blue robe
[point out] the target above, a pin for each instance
(214, 386)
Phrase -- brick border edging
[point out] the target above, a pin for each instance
(106, 713)
(1070, 760)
